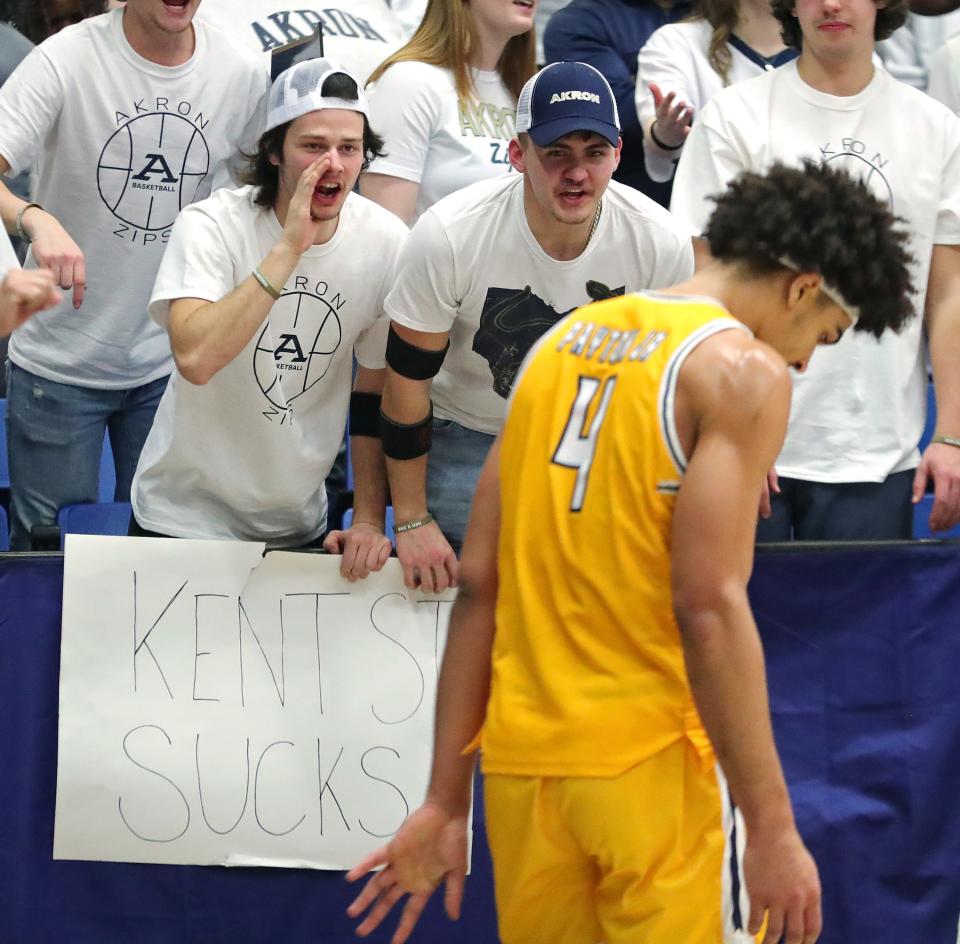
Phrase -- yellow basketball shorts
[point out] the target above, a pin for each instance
(636, 859)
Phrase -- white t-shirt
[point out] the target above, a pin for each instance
(245, 456)
(436, 140)
(359, 34)
(944, 83)
(121, 145)
(472, 267)
(908, 54)
(675, 59)
(858, 411)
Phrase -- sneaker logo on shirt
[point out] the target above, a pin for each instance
(512, 320)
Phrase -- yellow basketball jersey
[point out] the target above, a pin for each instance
(588, 670)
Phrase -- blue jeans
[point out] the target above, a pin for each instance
(55, 438)
(846, 511)
(453, 467)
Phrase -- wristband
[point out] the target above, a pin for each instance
(266, 285)
(660, 144)
(946, 440)
(21, 232)
(410, 525)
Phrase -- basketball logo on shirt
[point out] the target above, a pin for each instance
(512, 320)
(297, 346)
(151, 168)
(854, 157)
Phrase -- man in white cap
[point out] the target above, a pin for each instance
(268, 293)
(485, 272)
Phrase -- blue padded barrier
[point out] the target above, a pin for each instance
(862, 652)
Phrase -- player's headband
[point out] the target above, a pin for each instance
(833, 293)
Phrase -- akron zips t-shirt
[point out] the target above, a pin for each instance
(121, 145)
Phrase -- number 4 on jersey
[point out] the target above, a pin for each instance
(578, 445)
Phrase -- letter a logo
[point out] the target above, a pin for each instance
(153, 160)
(289, 344)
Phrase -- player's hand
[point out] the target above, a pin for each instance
(942, 462)
(674, 117)
(23, 293)
(300, 228)
(430, 848)
(427, 559)
(771, 487)
(783, 886)
(53, 249)
(364, 547)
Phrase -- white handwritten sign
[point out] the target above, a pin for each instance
(221, 707)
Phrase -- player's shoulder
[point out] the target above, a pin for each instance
(752, 95)
(733, 372)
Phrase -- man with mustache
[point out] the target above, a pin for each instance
(850, 469)
(485, 272)
(267, 293)
(128, 116)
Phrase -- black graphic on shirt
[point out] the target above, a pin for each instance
(287, 26)
(512, 320)
(862, 163)
(152, 166)
(296, 348)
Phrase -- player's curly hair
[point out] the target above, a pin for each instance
(889, 18)
(265, 175)
(824, 221)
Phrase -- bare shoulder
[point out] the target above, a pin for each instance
(733, 376)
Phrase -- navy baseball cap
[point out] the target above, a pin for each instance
(565, 97)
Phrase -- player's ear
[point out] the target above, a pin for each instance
(515, 153)
(803, 288)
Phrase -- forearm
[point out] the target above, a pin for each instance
(725, 666)
(462, 694)
(407, 402)
(212, 335)
(369, 481)
(943, 328)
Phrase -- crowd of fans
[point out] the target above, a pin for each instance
(228, 277)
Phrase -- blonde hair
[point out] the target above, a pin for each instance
(447, 36)
(722, 16)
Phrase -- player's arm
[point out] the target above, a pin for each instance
(413, 359)
(941, 460)
(431, 846)
(739, 402)
(363, 545)
(206, 336)
(53, 248)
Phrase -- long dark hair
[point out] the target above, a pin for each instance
(264, 174)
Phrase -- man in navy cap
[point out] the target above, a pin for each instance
(485, 272)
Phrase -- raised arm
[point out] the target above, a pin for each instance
(739, 402)
(206, 336)
(431, 846)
